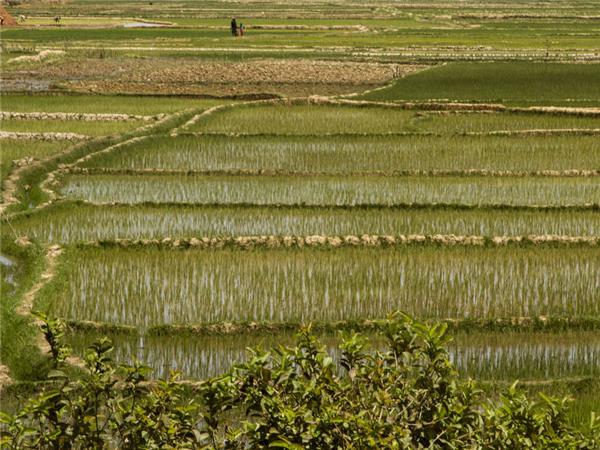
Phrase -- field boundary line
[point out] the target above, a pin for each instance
(46, 136)
(466, 107)
(542, 324)
(324, 135)
(80, 117)
(421, 54)
(277, 172)
(539, 132)
(336, 241)
(375, 206)
(532, 132)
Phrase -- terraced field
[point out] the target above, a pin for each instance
(189, 228)
(345, 155)
(68, 222)
(332, 191)
(150, 287)
(324, 120)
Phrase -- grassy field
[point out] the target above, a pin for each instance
(150, 287)
(354, 155)
(500, 82)
(332, 190)
(69, 223)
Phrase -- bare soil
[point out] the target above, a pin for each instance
(187, 76)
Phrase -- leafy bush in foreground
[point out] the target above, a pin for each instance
(406, 396)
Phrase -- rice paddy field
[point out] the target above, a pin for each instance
(345, 155)
(509, 355)
(146, 288)
(500, 82)
(320, 120)
(96, 128)
(469, 130)
(70, 223)
(332, 191)
(100, 104)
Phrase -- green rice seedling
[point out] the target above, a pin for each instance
(97, 128)
(482, 123)
(527, 356)
(499, 82)
(101, 104)
(306, 119)
(149, 286)
(345, 155)
(68, 223)
(330, 190)
(328, 119)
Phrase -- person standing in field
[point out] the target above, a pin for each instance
(234, 28)
(242, 29)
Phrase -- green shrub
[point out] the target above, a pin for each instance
(407, 396)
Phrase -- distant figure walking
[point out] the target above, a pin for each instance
(234, 27)
(242, 29)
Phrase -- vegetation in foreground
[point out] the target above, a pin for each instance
(406, 396)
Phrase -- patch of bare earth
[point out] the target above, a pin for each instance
(189, 76)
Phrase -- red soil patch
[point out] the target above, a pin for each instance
(6, 19)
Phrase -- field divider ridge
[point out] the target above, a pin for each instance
(546, 324)
(336, 241)
(46, 136)
(278, 172)
(80, 117)
(374, 206)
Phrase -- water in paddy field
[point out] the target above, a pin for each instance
(486, 356)
(7, 263)
(142, 25)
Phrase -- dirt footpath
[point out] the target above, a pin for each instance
(193, 76)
